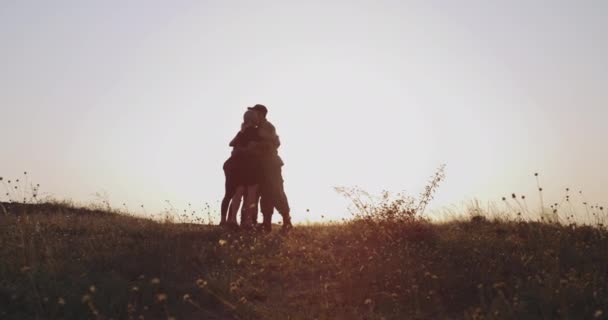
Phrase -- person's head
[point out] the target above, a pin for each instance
(261, 110)
(251, 119)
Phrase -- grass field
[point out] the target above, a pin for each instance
(58, 262)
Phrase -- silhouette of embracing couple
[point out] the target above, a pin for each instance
(253, 174)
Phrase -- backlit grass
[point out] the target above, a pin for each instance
(58, 262)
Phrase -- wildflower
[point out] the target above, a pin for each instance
(61, 301)
(233, 287)
(243, 300)
(161, 297)
(155, 281)
(367, 301)
(201, 283)
(222, 242)
(86, 298)
(134, 288)
(92, 289)
(499, 285)
(598, 314)
(187, 297)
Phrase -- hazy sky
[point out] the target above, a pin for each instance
(140, 98)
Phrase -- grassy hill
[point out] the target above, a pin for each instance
(58, 262)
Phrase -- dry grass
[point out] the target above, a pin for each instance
(58, 262)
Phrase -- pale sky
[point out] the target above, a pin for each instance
(140, 98)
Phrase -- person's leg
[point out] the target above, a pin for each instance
(282, 206)
(244, 207)
(230, 189)
(257, 180)
(266, 203)
(250, 205)
(266, 206)
(244, 212)
(280, 199)
(256, 208)
(275, 194)
(235, 204)
(224, 208)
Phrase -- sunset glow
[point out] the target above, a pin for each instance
(140, 99)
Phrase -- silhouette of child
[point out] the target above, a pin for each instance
(243, 173)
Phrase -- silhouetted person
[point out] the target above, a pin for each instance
(243, 174)
(271, 188)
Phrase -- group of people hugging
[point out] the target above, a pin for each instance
(254, 175)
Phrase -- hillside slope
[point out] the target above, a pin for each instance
(65, 263)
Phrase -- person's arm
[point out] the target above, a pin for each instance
(234, 140)
(269, 138)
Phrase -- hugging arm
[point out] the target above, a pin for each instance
(269, 140)
(235, 140)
